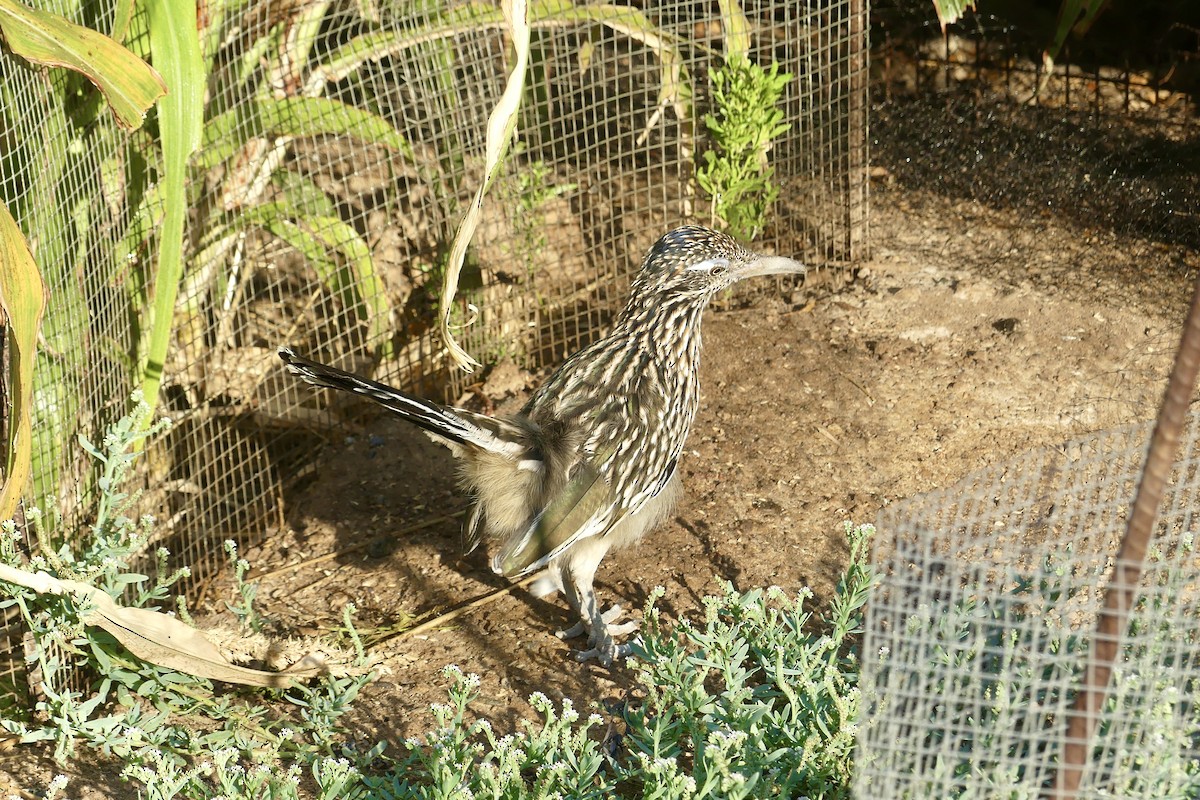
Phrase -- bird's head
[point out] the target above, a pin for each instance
(697, 262)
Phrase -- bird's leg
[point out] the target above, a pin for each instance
(582, 565)
(602, 645)
(576, 573)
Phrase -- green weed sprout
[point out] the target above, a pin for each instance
(737, 173)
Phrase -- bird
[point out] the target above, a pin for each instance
(591, 461)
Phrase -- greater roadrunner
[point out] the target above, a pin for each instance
(591, 461)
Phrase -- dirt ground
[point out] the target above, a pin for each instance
(982, 327)
(974, 334)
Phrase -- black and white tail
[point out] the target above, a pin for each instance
(457, 427)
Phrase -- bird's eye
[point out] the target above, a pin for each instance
(714, 267)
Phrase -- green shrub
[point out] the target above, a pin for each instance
(737, 173)
(751, 703)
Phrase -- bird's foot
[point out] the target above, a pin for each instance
(605, 651)
(609, 617)
(602, 637)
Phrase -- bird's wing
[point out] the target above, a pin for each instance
(580, 509)
(586, 506)
(620, 465)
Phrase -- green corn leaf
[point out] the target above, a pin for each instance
(23, 300)
(299, 192)
(949, 11)
(122, 16)
(129, 84)
(310, 247)
(175, 46)
(363, 279)
(143, 223)
(1073, 15)
(265, 117)
(336, 251)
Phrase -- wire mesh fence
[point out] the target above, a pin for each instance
(978, 633)
(342, 142)
(1143, 63)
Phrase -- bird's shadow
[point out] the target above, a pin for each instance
(391, 499)
(724, 567)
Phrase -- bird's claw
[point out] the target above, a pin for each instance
(578, 629)
(624, 629)
(604, 648)
(609, 617)
(605, 652)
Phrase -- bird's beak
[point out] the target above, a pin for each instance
(771, 265)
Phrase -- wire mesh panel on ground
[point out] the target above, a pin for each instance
(978, 632)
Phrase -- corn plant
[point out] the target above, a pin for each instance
(58, 220)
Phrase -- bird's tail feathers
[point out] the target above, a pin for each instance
(445, 423)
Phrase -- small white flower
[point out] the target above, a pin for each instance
(569, 714)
